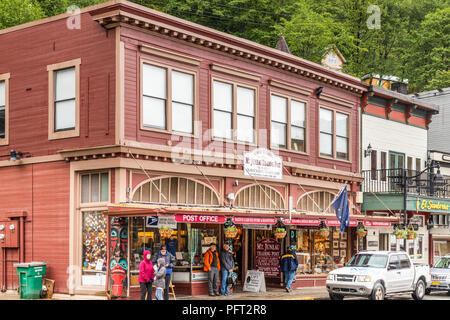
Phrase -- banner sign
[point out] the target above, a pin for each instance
(167, 221)
(267, 260)
(263, 163)
(301, 222)
(254, 220)
(376, 224)
(257, 226)
(152, 221)
(336, 223)
(197, 218)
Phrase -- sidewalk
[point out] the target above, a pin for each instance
(315, 293)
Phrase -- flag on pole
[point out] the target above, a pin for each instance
(340, 204)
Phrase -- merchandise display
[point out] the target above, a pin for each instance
(94, 248)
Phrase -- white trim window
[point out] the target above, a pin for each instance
(167, 99)
(278, 118)
(65, 99)
(342, 136)
(298, 125)
(326, 132)
(223, 110)
(245, 109)
(95, 187)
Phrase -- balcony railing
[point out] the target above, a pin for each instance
(391, 181)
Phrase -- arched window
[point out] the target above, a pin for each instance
(316, 201)
(261, 197)
(175, 190)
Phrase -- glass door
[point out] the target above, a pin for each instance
(396, 165)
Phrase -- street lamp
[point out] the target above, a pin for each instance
(405, 178)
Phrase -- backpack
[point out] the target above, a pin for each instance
(232, 279)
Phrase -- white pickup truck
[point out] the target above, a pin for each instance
(376, 274)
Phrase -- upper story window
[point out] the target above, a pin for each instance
(234, 108)
(334, 134)
(64, 99)
(288, 123)
(4, 109)
(168, 99)
(95, 187)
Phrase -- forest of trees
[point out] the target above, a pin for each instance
(410, 40)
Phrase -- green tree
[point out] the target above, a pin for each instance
(55, 7)
(429, 57)
(14, 12)
(440, 80)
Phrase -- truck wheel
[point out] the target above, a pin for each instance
(419, 293)
(336, 296)
(377, 292)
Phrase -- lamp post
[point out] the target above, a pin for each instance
(405, 178)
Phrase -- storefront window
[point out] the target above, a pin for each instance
(318, 253)
(202, 235)
(94, 249)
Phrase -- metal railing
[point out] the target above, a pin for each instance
(391, 181)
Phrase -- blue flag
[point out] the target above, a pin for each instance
(340, 204)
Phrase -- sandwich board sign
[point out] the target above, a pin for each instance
(255, 281)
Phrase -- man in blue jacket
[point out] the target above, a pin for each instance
(288, 265)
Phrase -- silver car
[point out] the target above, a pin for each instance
(440, 275)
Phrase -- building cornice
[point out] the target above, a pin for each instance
(128, 14)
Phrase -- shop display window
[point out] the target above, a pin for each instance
(202, 235)
(94, 249)
(318, 253)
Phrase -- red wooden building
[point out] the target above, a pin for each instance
(123, 113)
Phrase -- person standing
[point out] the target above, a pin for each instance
(146, 276)
(212, 266)
(172, 245)
(288, 265)
(169, 264)
(227, 264)
(160, 279)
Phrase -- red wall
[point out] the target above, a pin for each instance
(42, 190)
(26, 53)
(133, 38)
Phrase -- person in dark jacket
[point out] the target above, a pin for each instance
(227, 264)
(146, 276)
(170, 263)
(288, 265)
(211, 264)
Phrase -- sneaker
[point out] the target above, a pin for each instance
(287, 290)
(212, 294)
(217, 294)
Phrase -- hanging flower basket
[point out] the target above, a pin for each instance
(400, 233)
(165, 232)
(324, 232)
(361, 233)
(279, 233)
(230, 232)
(411, 234)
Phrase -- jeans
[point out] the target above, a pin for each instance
(289, 275)
(159, 294)
(166, 289)
(213, 277)
(146, 289)
(224, 287)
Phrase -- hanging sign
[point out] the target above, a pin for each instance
(152, 222)
(267, 260)
(336, 223)
(376, 224)
(197, 218)
(167, 221)
(257, 226)
(263, 163)
(301, 222)
(254, 281)
(254, 220)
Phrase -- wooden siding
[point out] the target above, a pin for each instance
(25, 55)
(133, 38)
(42, 190)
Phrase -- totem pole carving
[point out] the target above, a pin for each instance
(118, 265)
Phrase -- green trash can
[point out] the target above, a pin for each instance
(30, 279)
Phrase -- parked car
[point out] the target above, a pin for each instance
(440, 275)
(377, 274)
